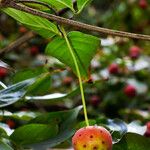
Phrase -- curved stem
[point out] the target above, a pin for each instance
(78, 74)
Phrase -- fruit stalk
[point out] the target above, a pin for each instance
(78, 74)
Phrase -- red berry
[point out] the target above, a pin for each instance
(148, 125)
(95, 100)
(22, 29)
(34, 50)
(134, 52)
(24, 109)
(3, 72)
(143, 4)
(147, 133)
(90, 80)
(113, 69)
(67, 80)
(10, 123)
(92, 138)
(130, 91)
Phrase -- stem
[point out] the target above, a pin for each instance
(78, 74)
(17, 43)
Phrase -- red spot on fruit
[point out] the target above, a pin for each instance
(91, 136)
(113, 69)
(10, 123)
(84, 146)
(143, 4)
(3, 72)
(130, 91)
(134, 52)
(94, 139)
(95, 148)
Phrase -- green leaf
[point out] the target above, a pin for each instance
(41, 86)
(84, 46)
(33, 133)
(15, 92)
(132, 141)
(19, 116)
(40, 25)
(81, 4)
(2, 131)
(54, 96)
(118, 127)
(60, 4)
(65, 121)
(135, 127)
(27, 74)
(4, 146)
(5, 131)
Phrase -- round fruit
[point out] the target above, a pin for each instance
(34, 50)
(22, 29)
(147, 133)
(3, 72)
(92, 138)
(10, 123)
(130, 90)
(67, 80)
(135, 52)
(113, 69)
(143, 4)
(95, 100)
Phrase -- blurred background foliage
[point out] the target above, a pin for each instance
(119, 83)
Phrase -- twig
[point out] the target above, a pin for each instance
(18, 42)
(61, 20)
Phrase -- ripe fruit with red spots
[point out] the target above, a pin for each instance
(143, 4)
(147, 133)
(130, 91)
(134, 52)
(3, 72)
(34, 50)
(95, 100)
(113, 69)
(92, 138)
(10, 123)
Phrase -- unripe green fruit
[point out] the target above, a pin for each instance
(92, 138)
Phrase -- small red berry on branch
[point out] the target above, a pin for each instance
(130, 91)
(92, 138)
(147, 133)
(34, 50)
(134, 52)
(143, 4)
(94, 100)
(22, 29)
(3, 72)
(67, 80)
(10, 123)
(113, 69)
